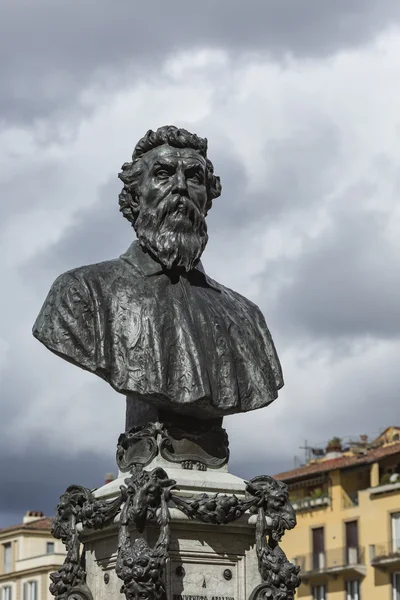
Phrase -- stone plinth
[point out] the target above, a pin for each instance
(206, 561)
(162, 532)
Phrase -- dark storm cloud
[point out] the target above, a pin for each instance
(261, 462)
(343, 285)
(36, 469)
(51, 50)
(35, 479)
(46, 176)
(97, 233)
(300, 168)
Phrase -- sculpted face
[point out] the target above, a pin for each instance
(172, 198)
(173, 173)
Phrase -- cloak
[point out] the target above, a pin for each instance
(183, 343)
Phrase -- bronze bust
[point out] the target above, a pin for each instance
(151, 322)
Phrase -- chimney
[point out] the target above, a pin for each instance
(334, 448)
(32, 515)
(109, 477)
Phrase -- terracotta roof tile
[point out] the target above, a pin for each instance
(39, 524)
(342, 462)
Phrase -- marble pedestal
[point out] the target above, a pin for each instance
(206, 561)
(162, 532)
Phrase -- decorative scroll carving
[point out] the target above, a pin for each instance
(202, 446)
(138, 446)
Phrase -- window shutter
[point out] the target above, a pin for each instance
(24, 592)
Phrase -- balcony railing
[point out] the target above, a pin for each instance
(310, 503)
(386, 488)
(385, 554)
(333, 561)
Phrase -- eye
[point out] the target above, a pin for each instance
(196, 176)
(162, 173)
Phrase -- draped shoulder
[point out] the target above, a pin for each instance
(66, 322)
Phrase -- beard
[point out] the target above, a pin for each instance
(175, 233)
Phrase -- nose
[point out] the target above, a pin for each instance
(180, 185)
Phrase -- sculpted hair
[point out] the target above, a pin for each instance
(132, 171)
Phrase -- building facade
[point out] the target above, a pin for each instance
(347, 501)
(28, 554)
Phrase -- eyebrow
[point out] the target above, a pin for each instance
(164, 163)
(195, 165)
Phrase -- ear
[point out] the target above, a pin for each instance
(134, 201)
(134, 205)
(215, 187)
(214, 182)
(129, 206)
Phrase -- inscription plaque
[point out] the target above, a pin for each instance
(189, 597)
(203, 580)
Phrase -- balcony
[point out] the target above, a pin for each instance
(36, 562)
(386, 555)
(310, 503)
(346, 561)
(386, 488)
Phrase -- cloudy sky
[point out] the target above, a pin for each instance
(299, 101)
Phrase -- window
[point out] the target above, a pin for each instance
(318, 554)
(318, 592)
(351, 542)
(396, 586)
(6, 593)
(353, 590)
(50, 547)
(30, 590)
(7, 564)
(396, 532)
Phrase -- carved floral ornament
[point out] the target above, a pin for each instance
(146, 496)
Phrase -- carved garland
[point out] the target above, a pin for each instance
(145, 496)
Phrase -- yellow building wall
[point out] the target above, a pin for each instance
(34, 546)
(31, 562)
(373, 514)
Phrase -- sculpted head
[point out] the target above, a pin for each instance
(168, 189)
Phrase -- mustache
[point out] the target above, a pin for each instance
(179, 205)
(175, 212)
